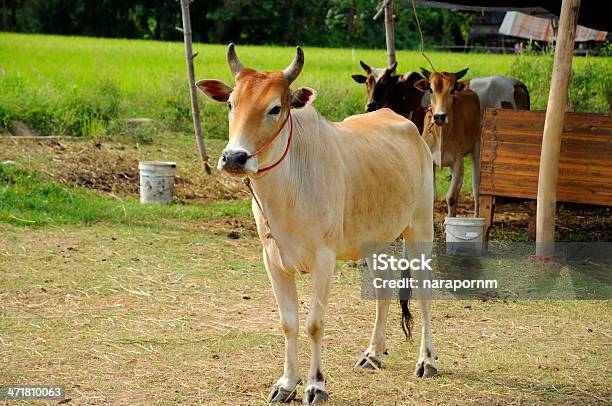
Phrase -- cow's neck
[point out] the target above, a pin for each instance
(408, 102)
(294, 178)
(441, 140)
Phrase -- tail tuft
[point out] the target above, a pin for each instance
(407, 321)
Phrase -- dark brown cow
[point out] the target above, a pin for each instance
(386, 89)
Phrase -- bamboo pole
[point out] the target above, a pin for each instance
(390, 31)
(189, 56)
(553, 127)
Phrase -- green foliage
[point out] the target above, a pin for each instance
(28, 200)
(590, 87)
(327, 23)
(91, 87)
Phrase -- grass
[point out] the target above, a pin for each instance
(148, 315)
(88, 86)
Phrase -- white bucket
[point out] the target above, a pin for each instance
(156, 181)
(464, 235)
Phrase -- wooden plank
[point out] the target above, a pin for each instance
(575, 191)
(510, 158)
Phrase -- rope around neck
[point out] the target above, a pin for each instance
(247, 180)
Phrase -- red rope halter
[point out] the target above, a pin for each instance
(267, 144)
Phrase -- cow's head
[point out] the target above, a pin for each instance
(442, 86)
(379, 82)
(257, 107)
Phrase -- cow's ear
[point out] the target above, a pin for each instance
(426, 73)
(216, 90)
(461, 73)
(359, 78)
(302, 96)
(459, 86)
(422, 85)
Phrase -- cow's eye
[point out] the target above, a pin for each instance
(452, 90)
(229, 105)
(275, 110)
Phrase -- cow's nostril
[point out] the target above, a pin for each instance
(242, 158)
(235, 161)
(439, 117)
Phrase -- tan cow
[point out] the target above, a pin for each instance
(321, 190)
(452, 130)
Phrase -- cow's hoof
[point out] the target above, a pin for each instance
(424, 370)
(369, 362)
(281, 395)
(314, 395)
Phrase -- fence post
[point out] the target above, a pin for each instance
(553, 127)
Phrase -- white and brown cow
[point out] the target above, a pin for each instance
(452, 130)
(321, 189)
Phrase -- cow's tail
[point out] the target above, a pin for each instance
(404, 299)
(407, 321)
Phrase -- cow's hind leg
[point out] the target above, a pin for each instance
(283, 284)
(372, 357)
(419, 237)
(322, 278)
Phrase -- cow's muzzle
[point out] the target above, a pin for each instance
(439, 118)
(372, 106)
(233, 161)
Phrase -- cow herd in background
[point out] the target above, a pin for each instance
(447, 112)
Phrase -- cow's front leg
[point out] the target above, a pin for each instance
(322, 277)
(283, 284)
(452, 196)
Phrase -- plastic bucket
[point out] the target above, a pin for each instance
(156, 181)
(464, 235)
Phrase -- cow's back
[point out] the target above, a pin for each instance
(386, 165)
(500, 92)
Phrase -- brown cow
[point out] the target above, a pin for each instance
(452, 130)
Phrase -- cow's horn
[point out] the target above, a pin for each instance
(233, 61)
(293, 70)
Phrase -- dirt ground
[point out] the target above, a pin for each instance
(183, 313)
(112, 168)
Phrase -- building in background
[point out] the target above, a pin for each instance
(494, 30)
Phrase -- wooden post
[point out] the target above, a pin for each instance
(195, 110)
(390, 31)
(553, 127)
(487, 210)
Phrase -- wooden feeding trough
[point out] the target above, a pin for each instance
(510, 158)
